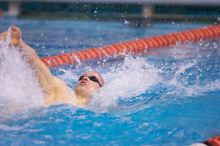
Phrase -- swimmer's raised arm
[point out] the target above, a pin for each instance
(55, 90)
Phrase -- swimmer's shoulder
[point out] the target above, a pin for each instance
(62, 92)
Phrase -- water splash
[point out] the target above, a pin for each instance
(141, 83)
(18, 85)
(133, 77)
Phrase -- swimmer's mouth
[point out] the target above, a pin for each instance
(83, 83)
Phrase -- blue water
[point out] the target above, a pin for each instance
(170, 99)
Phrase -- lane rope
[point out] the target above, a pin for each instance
(139, 46)
(1, 13)
(215, 141)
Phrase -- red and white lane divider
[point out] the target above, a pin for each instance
(1, 13)
(134, 47)
(215, 141)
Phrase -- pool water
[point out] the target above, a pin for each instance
(171, 98)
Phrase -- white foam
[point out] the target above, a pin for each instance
(132, 78)
(10, 128)
(19, 89)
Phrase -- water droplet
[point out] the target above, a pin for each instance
(126, 22)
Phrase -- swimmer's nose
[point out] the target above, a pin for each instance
(85, 78)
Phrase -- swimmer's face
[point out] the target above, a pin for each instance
(88, 83)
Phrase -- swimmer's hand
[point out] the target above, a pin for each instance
(15, 39)
(15, 36)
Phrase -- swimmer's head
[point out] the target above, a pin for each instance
(88, 83)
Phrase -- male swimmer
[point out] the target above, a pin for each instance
(55, 90)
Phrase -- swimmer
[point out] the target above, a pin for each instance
(54, 89)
